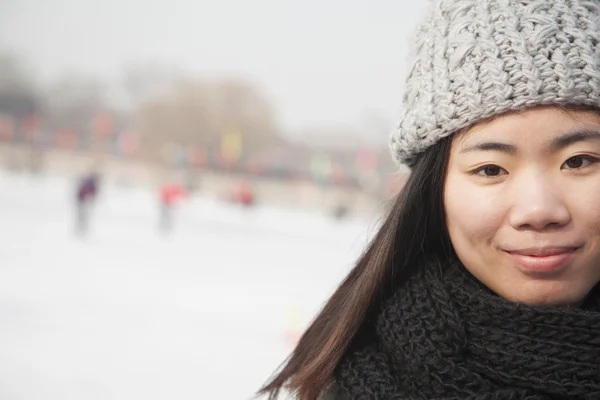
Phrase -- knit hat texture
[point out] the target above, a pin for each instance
(475, 59)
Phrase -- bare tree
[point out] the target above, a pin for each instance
(17, 90)
(73, 101)
(200, 112)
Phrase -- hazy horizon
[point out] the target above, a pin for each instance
(321, 64)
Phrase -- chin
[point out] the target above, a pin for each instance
(546, 294)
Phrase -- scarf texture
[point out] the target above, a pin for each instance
(443, 335)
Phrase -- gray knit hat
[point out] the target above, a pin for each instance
(479, 58)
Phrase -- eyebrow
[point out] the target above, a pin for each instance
(570, 138)
(557, 143)
(491, 146)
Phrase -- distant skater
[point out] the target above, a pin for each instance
(170, 196)
(87, 192)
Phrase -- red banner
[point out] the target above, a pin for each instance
(129, 142)
(7, 127)
(103, 125)
(66, 138)
(30, 125)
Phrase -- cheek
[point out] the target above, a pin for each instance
(584, 197)
(473, 213)
(590, 218)
(584, 206)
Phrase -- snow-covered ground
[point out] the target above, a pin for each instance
(129, 313)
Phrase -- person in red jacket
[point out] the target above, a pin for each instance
(245, 195)
(242, 194)
(171, 194)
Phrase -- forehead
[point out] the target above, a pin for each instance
(534, 127)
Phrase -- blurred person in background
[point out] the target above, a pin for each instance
(482, 282)
(243, 194)
(340, 211)
(342, 206)
(170, 195)
(85, 197)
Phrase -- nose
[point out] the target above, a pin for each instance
(538, 204)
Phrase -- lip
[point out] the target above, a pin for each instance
(543, 259)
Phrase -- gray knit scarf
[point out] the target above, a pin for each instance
(444, 335)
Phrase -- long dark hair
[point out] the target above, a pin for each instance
(414, 228)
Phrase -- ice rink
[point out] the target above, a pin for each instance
(127, 313)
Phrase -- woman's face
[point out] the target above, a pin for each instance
(522, 200)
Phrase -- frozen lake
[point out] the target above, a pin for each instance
(129, 313)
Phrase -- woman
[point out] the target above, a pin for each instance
(482, 282)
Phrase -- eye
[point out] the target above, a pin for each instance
(490, 170)
(577, 162)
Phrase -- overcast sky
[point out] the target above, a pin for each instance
(321, 62)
